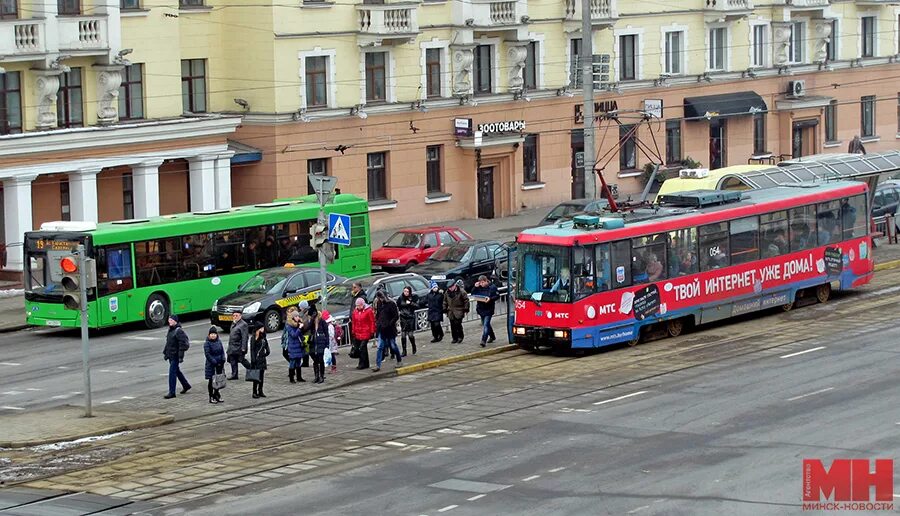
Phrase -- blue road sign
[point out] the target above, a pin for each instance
(339, 229)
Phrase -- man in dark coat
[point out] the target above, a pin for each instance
(434, 301)
(177, 342)
(237, 344)
(486, 296)
(386, 318)
(456, 305)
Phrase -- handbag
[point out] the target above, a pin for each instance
(253, 375)
(219, 380)
(354, 350)
(327, 356)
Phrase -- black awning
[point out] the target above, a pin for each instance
(726, 104)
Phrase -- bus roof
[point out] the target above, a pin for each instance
(300, 208)
(658, 218)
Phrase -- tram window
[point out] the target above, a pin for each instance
(853, 217)
(773, 233)
(744, 240)
(648, 258)
(682, 255)
(583, 271)
(713, 246)
(828, 222)
(602, 277)
(620, 264)
(545, 270)
(803, 223)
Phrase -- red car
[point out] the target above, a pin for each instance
(408, 247)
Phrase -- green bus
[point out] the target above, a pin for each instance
(148, 268)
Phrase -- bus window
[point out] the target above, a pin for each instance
(583, 271)
(853, 217)
(545, 270)
(803, 223)
(828, 222)
(197, 256)
(113, 269)
(773, 230)
(713, 246)
(620, 264)
(158, 261)
(601, 265)
(744, 240)
(683, 252)
(648, 257)
(228, 254)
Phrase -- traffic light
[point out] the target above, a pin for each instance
(71, 280)
(319, 234)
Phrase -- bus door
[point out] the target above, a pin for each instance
(115, 282)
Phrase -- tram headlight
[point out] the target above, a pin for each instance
(518, 330)
(560, 334)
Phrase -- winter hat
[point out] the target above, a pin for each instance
(459, 283)
(360, 302)
(213, 329)
(304, 305)
(326, 315)
(173, 317)
(434, 284)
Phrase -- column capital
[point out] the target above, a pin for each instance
(150, 163)
(20, 179)
(87, 171)
(226, 155)
(203, 158)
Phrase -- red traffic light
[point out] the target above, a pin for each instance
(68, 265)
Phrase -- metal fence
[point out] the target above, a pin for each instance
(886, 226)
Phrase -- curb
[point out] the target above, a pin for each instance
(893, 264)
(431, 364)
(121, 427)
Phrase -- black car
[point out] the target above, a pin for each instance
(568, 209)
(463, 260)
(340, 297)
(265, 296)
(886, 200)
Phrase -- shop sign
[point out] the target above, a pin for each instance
(653, 107)
(600, 110)
(506, 126)
(462, 126)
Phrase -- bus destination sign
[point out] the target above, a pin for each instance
(56, 245)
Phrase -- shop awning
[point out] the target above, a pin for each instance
(726, 104)
(243, 153)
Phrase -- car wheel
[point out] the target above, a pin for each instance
(157, 311)
(272, 320)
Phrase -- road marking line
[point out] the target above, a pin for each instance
(60, 397)
(555, 470)
(529, 479)
(74, 392)
(802, 352)
(105, 371)
(7, 407)
(449, 431)
(896, 495)
(63, 367)
(582, 410)
(620, 398)
(395, 443)
(141, 337)
(121, 372)
(33, 389)
(476, 497)
(820, 391)
(448, 508)
(12, 393)
(12, 364)
(474, 436)
(639, 509)
(127, 397)
(498, 431)
(109, 402)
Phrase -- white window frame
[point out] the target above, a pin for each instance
(390, 81)
(495, 62)
(666, 30)
(444, 45)
(766, 44)
(539, 59)
(867, 14)
(638, 52)
(835, 39)
(570, 77)
(726, 52)
(804, 26)
(330, 54)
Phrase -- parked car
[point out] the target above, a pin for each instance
(886, 200)
(340, 298)
(265, 296)
(464, 260)
(568, 209)
(408, 247)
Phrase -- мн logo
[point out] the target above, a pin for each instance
(848, 483)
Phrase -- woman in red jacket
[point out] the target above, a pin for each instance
(362, 319)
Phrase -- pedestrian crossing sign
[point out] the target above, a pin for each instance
(339, 229)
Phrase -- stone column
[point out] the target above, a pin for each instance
(781, 42)
(203, 182)
(463, 59)
(223, 181)
(822, 36)
(83, 194)
(16, 217)
(46, 87)
(516, 56)
(145, 179)
(109, 78)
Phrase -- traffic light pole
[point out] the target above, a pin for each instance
(322, 258)
(587, 84)
(85, 345)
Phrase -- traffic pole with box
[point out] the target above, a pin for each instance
(85, 342)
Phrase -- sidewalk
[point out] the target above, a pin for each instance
(67, 423)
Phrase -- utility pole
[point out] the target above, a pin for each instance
(85, 345)
(587, 80)
(322, 257)
(324, 187)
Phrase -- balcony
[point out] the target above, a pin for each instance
(83, 34)
(725, 9)
(22, 39)
(603, 14)
(805, 4)
(490, 14)
(397, 22)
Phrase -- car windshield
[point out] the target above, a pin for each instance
(266, 282)
(402, 239)
(544, 273)
(452, 253)
(564, 210)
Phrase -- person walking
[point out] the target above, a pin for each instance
(407, 306)
(177, 343)
(259, 350)
(294, 341)
(362, 330)
(456, 306)
(237, 344)
(214, 352)
(323, 334)
(386, 325)
(434, 301)
(486, 296)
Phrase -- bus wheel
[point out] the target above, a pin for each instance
(674, 327)
(823, 292)
(156, 311)
(272, 319)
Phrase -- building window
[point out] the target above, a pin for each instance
(759, 134)
(628, 57)
(315, 167)
(433, 169)
(867, 108)
(190, 3)
(796, 42)
(759, 45)
(868, 36)
(375, 76)
(131, 93)
(127, 196)
(65, 202)
(529, 74)
(575, 75)
(673, 142)
(69, 111)
(9, 9)
(376, 175)
(433, 72)
(831, 121)
(68, 7)
(717, 48)
(628, 149)
(316, 81)
(530, 159)
(831, 44)
(193, 85)
(674, 52)
(127, 5)
(10, 103)
(482, 69)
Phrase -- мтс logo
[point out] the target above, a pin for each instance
(846, 483)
